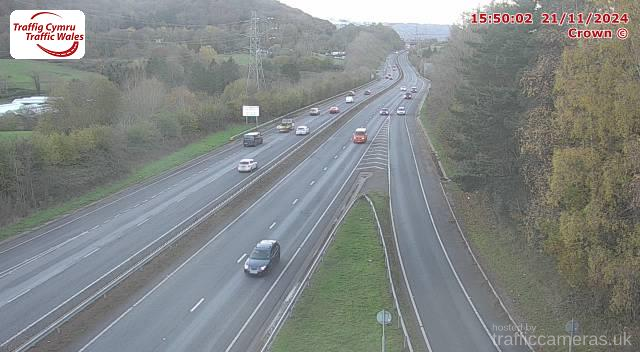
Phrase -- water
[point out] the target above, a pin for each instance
(34, 104)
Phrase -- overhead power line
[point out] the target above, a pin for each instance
(255, 73)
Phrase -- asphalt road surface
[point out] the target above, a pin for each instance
(457, 310)
(208, 303)
(42, 270)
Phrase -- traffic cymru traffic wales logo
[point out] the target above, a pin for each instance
(47, 34)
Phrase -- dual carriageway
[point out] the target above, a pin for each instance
(204, 301)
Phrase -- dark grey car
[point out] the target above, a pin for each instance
(263, 257)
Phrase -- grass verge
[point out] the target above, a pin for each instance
(431, 125)
(11, 135)
(527, 280)
(145, 172)
(337, 311)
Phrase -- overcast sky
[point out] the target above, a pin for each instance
(404, 11)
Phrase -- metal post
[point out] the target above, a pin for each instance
(571, 340)
(383, 337)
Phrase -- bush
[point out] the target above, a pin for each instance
(142, 133)
(168, 126)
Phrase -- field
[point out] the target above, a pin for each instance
(337, 311)
(17, 74)
(240, 59)
(10, 135)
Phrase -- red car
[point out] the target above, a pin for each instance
(360, 136)
(334, 110)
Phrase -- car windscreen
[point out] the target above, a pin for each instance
(260, 254)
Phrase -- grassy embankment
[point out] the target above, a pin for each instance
(145, 172)
(528, 279)
(337, 311)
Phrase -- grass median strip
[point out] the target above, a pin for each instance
(145, 172)
(337, 311)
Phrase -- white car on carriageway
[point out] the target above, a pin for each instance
(247, 165)
(302, 130)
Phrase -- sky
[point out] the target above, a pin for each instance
(403, 11)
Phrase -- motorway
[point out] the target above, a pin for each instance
(457, 310)
(207, 303)
(42, 271)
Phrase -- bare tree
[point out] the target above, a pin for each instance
(35, 76)
(142, 101)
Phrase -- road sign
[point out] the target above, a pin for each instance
(250, 111)
(384, 317)
(572, 327)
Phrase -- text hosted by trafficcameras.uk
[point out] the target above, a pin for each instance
(529, 335)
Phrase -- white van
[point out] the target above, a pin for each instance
(349, 99)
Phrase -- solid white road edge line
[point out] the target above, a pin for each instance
(402, 269)
(295, 254)
(121, 316)
(388, 266)
(294, 147)
(468, 245)
(444, 250)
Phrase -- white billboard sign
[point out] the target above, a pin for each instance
(250, 111)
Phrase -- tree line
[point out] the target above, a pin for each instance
(550, 128)
(99, 130)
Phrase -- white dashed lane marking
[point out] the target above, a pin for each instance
(197, 305)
